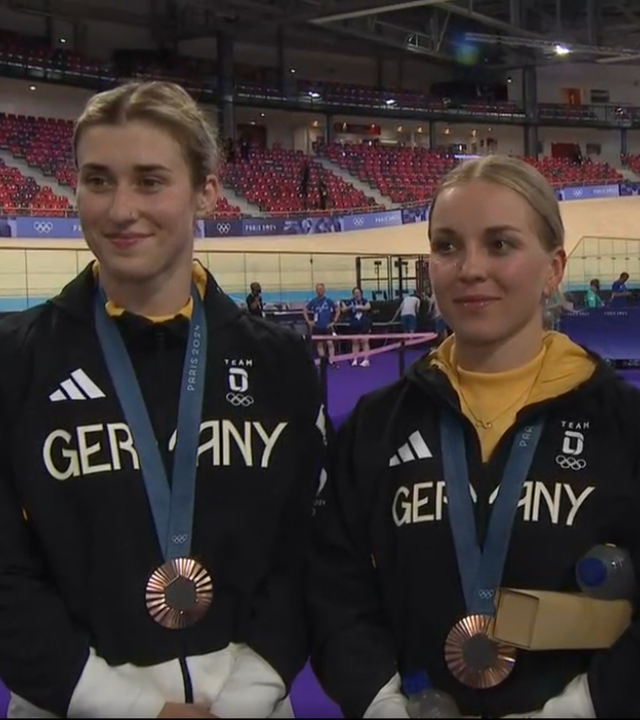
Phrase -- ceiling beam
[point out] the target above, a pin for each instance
(464, 12)
(77, 10)
(364, 12)
(626, 11)
(385, 36)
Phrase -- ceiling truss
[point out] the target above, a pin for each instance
(433, 30)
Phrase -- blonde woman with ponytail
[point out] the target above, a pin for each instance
(463, 498)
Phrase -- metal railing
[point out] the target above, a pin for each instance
(602, 258)
(30, 276)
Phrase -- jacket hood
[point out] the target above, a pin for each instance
(566, 367)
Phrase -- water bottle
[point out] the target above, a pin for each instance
(424, 701)
(606, 573)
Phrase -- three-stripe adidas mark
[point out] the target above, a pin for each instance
(414, 449)
(77, 387)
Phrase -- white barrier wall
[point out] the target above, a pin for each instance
(37, 269)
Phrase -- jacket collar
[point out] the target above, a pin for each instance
(77, 299)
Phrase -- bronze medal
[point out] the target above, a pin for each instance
(179, 593)
(474, 658)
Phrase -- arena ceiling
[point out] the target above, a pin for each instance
(494, 33)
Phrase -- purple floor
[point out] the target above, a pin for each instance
(346, 385)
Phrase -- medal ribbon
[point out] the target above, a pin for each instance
(172, 503)
(481, 569)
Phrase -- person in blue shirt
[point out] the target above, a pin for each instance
(324, 315)
(359, 309)
(619, 292)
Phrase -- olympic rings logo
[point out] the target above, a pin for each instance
(179, 539)
(44, 227)
(238, 400)
(486, 594)
(359, 221)
(569, 463)
(224, 228)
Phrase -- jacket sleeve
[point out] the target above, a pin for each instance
(613, 674)
(353, 650)
(278, 636)
(45, 658)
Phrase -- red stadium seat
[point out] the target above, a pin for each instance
(405, 175)
(272, 179)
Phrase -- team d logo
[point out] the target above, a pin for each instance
(573, 442)
(572, 449)
(238, 380)
(238, 387)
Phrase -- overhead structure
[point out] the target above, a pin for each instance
(604, 31)
(556, 48)
(381, 10)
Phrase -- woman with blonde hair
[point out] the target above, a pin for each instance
(160, 453)
(505, 456)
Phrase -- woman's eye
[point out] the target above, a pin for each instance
(151, 183)
(442, 246)
(501, 245)
(95, 181)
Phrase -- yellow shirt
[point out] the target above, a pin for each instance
(492, 401)
(200, 279)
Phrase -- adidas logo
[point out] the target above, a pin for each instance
(414, 449)
(77, 387)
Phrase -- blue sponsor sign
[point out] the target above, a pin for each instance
(262, 226)
(612, 333)
(223, 228)
(415, 215)
(373, 220)
(590, 192)
(313, 226)
(629, 188)
(52, 228)
(69, 228)
(60, 228)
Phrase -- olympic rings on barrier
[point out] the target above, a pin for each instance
(44, 227)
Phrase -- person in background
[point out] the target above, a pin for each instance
(321, 314)
(245, 148)
(231, 151)
(593, 299)
(555, 306)
(323, 192)
(442, 331)
(619, 292)
(255, 306)
(359, 309)
(153, 539)
(428, 516)
(408, 311)
(305, 178)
